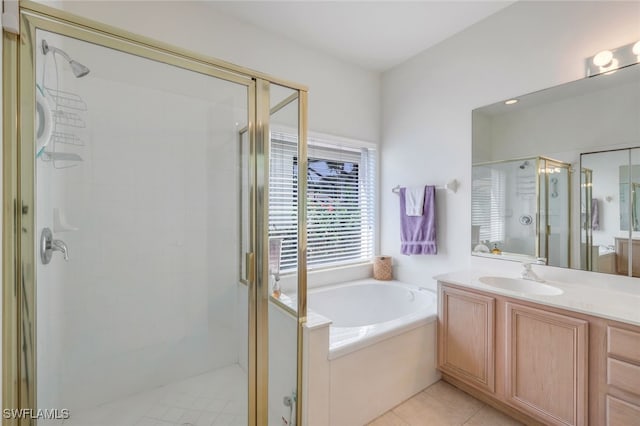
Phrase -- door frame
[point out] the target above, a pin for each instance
(19, 385)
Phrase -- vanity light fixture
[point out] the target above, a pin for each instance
(603, 59)
(550, 170)
(511, 102)
(608, 61)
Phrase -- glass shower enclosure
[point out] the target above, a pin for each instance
(521, 210)
(610, 211)
(140, 289)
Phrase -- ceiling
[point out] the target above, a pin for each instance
(376, 35)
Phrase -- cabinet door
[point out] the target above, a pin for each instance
(466, 337)
(546, 365)
(622, 253)
(621, 413)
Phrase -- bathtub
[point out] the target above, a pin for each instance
(376, 349)
(367, 311)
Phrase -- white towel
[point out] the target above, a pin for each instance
(414, 201)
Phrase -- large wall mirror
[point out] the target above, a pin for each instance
(556, 176)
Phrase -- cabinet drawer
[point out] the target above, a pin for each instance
(623, 375)
(623, 343)
(621, 413)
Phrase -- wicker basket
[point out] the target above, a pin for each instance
(382, 268)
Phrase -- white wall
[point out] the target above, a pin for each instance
(599, 120)
(427, 104)
(344, 99)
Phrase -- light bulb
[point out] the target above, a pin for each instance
(511, 102)
(603, 58)
(636, 48)
(613, 67)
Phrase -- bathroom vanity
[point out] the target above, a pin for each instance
(564, 359)
(548, 186)
(622, 250)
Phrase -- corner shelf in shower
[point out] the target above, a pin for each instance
(67, 99)
(68, 118)
(67, 114)
(60, 156)
(66, 138)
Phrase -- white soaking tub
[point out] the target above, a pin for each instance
(367, 311)
(376, 348)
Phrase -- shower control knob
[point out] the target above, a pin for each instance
(287, 401)
(48, 245)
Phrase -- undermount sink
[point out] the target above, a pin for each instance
(521, 285)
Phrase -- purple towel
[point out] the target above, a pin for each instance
(595, 215)
(418, 233)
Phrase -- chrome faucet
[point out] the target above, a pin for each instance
(48, 245)
(528, 274)
(59, 245)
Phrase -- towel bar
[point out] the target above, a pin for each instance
(452, 186)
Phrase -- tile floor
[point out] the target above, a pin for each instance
(443, 405)
(216, 398)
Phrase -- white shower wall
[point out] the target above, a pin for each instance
(521, 201)
(148, 295)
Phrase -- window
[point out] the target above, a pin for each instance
(488, 202)
(340, 201)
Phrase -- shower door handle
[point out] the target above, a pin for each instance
(48, 245)
(250, 268)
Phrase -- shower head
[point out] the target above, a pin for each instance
(77, 68)
(524, 165)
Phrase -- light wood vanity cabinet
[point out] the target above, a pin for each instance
(546, 364)
(622, 257)
(623, 377)
(467, 342)
(542, 365)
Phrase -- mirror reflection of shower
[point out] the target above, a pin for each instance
(521, 207)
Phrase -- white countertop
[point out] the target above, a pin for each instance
(590, 299)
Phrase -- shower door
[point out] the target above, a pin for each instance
(554, 198)
(141, 277)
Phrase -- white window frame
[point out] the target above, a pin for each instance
(331, 148)
(488, 204)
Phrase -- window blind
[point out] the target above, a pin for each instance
(340, 202)
(488, 200)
